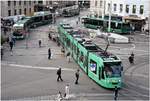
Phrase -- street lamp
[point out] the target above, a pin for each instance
(109, 25)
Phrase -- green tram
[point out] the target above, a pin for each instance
(102, 67)
(116, 26)
(41, 19)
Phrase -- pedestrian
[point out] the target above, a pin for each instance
(131, 58)
(79, 19)
(40, 42)
(115, 93)
(77, 76)
(11, 45)
(49, 36)
(49, 53)
(2, 52)
(68, 57)
(67, 91)
(59, 74)
(14, 40)
(59, 97)
(76, 22)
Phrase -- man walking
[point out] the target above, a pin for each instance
(49, 53)
(40, 43)
(59, 74)
(11, 45)
(116, 93)
(77, 76)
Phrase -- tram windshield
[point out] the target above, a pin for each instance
(113, 69)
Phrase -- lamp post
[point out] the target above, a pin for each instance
(109, 24)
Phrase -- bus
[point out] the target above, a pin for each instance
(101, 66)
(21, 27)
(41, 18)
(116, 26)
(71, 11)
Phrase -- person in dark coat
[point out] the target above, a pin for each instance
(59, 74)
(131, 58)
(116, 93)
(40, 43)
(77, 76)
(11, 45)
(49, 53)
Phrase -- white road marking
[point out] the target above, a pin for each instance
(37, 67)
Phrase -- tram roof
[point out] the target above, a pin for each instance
(95, 18)
(21, 22)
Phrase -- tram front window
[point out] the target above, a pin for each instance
(113, 69)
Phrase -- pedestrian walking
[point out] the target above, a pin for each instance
(40, 42)
(2, 52)
(49, 53)
(59, 74)
(67, 91)
(79, 19)
(76, 22)
(68, 57)
(77, 76)
(14, 40)
(131, 58)
(11, 45)
(115, 93)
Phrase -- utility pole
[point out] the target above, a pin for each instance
(109, 25)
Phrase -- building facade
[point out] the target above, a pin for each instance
(133, 11)
(12, 8)
(139, 8)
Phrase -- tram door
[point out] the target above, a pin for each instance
(100, 72)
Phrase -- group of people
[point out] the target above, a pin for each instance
(59, 78)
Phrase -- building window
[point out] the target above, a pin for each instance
(19, 2)
(14, 3)
(141, 9)
(134, 9)
(127, 8)
(50, 2)
(101, 4)
(25, 11)
(115, 7)
(95, 3)
(20, 11)
(29, 2)
(9, 12)
(121, 8)
(108, 7)
(15, 12)
(9, 3)
(30, 10)
(24, 2)
(34, 2)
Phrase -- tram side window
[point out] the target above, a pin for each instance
(93, 66)
(38, 19)
(81, 57)
(68, 42)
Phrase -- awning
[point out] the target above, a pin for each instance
(132, 18)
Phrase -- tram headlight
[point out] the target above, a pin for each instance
(119, 80)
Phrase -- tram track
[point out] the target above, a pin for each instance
(134, 88)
